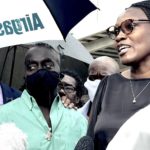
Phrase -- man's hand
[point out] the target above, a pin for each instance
(67, 103)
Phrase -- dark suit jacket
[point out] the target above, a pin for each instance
(9, 93)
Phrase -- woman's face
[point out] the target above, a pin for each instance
(134, 48)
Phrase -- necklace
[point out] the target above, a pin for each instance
(133, 94)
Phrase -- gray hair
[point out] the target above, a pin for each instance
(107, 65)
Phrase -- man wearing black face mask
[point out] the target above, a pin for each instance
(39, 111)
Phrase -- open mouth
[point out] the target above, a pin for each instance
(122, 49)
(61, 94)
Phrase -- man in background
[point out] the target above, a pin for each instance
(98, 69)
(71, 86)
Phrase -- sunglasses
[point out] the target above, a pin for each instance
(126, 27)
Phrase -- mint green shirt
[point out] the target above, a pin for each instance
(68, 125)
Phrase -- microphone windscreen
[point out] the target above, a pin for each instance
(85, 143)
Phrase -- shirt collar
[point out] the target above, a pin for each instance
(31, 102)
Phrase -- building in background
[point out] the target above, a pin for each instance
(99, 44)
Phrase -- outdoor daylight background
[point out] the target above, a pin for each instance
(100, 20)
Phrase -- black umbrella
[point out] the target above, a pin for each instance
(67, 13)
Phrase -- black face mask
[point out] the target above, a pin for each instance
(42, 84)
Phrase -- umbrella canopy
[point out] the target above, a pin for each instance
(75, 57)
(73, 48)
(30, 20)
(67, 13)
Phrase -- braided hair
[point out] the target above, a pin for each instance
(144, 5)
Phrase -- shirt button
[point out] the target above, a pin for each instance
(48, 136)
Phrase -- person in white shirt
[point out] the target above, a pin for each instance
(12, 138)
(98, 69)
(134, 133)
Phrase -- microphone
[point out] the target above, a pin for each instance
(85, 143)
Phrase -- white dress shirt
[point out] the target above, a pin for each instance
(134, 134)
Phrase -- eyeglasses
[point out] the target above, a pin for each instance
(96, 76)
(126, 27)
(66, 87)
